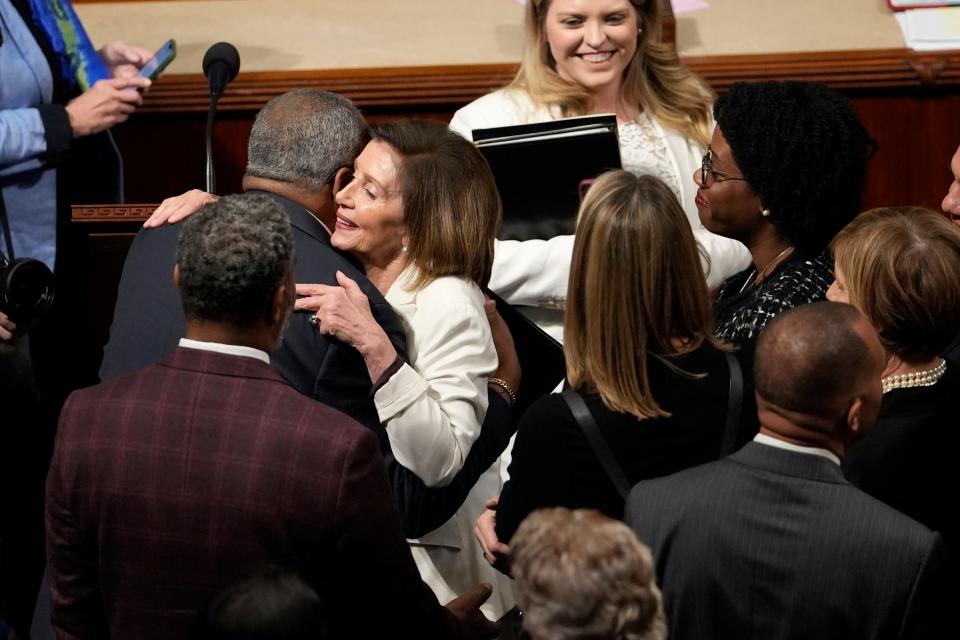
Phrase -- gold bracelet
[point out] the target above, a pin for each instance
(500, 382)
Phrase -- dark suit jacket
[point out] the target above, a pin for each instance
(775, 544)
(908, 459)
(148, 321)
(172, 482)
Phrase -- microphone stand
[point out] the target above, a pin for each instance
(211, 114)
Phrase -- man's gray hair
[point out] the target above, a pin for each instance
(233, 256)
(304, 136)
(580, 574)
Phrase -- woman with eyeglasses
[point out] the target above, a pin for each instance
(782, 174)
(585, 57)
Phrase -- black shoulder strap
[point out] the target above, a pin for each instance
(597, 442)
(734, 404)
(5, 226)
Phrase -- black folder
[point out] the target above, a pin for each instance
(542, 169)
(542, 364)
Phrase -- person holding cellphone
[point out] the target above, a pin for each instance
(55, 98)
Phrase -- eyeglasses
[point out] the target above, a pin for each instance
(706, 169)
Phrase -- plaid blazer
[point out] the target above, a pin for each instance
(171, 482)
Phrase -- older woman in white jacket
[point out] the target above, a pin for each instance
(602, 56)
(420, 215)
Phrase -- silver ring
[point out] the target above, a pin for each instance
(314, 321)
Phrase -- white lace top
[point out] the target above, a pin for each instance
(643, 151)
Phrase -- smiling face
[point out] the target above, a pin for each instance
(951, 201)
(727, 207)
(592, 41)
(370, 222)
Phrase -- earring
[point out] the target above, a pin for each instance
(765, 213)
(639, 30)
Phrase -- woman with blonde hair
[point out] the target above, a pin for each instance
(580, 574)
(900, 267)
(587, 57)
(640, 356)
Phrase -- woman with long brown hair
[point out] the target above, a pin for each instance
(640, 355)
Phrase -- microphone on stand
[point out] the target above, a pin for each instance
(221, 63)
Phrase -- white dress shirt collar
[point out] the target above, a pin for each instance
(781, 444)
(229, 349)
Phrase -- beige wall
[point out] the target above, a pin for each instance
(277, 35)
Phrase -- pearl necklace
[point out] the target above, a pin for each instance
(926, 378)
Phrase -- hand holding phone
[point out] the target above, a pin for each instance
(160, 60)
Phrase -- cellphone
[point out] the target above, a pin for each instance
(160, 60)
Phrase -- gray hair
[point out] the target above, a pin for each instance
(304, 136)
(580, 574)
(233, 255)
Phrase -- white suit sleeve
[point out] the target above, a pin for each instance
(433, 412)
(532, 272)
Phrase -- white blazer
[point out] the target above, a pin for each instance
(433, 409)
(534, 273)
(434, 406)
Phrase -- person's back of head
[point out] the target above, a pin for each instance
(817, 373)
(900, 266)
(273, 604)
(303, 137)
(636, 287)
(233, 258)
(580, 574)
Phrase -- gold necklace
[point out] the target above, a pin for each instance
(925, 378)
(754, 277)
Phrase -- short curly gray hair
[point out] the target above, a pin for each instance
(580, 574)
(233, 255)
(304, 136)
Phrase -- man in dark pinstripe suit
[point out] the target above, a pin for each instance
(772, 542)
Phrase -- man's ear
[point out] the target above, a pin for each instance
(853, 417)
(283, 300)
(176, 276)
(341, 178)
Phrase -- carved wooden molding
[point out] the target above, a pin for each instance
(881, 68)
(457, 85)
(111, 212)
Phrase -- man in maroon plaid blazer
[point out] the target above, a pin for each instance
(171, 482)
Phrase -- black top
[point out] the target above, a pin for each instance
(553, 464)
(908, 459)
(952, 353)
(800, 279)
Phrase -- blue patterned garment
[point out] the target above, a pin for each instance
(80, 64)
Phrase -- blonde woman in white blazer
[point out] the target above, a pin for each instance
(602, 56)
(420, 215)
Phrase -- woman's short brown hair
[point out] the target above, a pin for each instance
(901, 266)
(636, 287)
(580, 574)
(450, 200)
